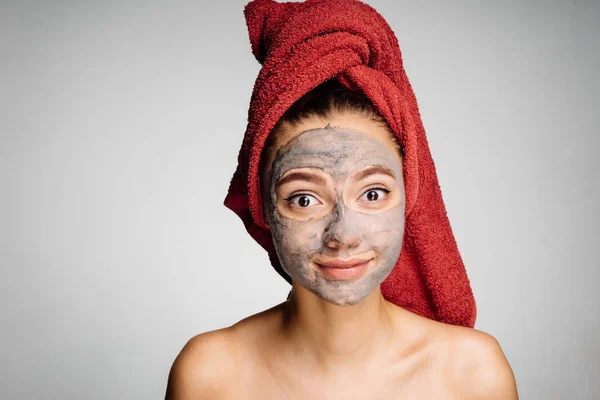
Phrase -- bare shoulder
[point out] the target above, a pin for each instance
(212, 365)
(201, 369)
(478, 365)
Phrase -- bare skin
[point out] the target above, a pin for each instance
(309, 347)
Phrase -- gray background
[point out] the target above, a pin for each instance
(119, 131)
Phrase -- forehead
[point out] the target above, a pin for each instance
(337, 151)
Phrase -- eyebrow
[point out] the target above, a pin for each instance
(301, 176)
(377, 169)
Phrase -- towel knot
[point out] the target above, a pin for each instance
(276, 30)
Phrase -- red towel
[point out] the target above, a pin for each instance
(301, 45)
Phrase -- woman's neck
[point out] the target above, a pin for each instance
(334, 336)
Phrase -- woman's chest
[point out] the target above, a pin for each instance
(288, 384)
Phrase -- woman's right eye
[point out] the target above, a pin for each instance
(303, 200)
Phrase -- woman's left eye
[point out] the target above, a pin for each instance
(373, 195)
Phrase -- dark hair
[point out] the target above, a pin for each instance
(330, 96)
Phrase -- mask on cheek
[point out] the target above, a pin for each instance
(333, 239)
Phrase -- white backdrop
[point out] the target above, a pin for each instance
(119, 131)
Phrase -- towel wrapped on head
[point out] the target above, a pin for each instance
(301, 45)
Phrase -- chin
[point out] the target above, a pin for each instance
(344, 302)
(340, 297)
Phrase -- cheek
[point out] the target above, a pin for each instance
(295, 240)
(384, 232)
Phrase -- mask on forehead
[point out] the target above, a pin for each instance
(336, 211)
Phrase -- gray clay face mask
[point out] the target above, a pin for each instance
(336, 212)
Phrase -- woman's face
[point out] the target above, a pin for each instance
(335, 207)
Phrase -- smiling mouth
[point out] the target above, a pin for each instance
(341, 270)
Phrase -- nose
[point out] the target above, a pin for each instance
(342, 232)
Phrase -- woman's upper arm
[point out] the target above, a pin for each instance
(489, 375)
(201, 369)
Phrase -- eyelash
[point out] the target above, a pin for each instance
(386, 190)
(293, 196)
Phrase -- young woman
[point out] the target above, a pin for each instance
(334, 202)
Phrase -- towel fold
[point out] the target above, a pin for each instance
(301, 45)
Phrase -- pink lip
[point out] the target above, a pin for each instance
(338, 269)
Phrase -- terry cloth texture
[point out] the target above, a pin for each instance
(301, 45)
